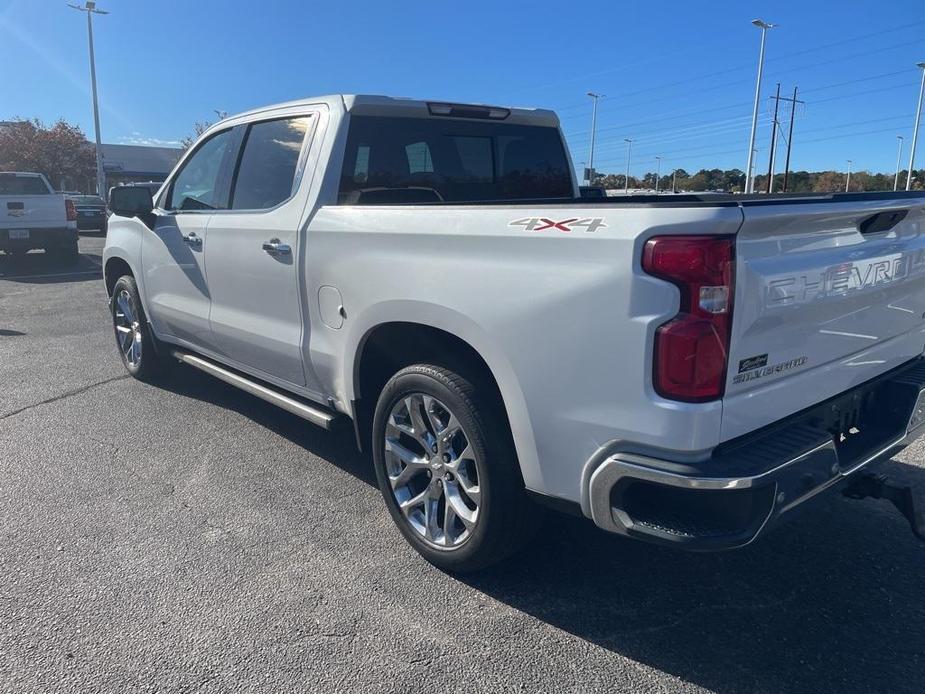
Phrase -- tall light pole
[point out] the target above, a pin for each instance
(764, 26)
(595, 97)
(848, 179)
(750, 175)
(899, 158)
(629, 151)
(674, 181)
(915, 131)
(658, 171)
(91, 9)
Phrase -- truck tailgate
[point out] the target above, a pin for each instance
(31, 211)
(828, 294)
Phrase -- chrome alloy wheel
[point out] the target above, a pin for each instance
(432, 470)
(128, 329)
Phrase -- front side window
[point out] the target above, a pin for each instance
(266, 173)
(408, 160)
(197, 186)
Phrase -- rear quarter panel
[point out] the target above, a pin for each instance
(565, 320)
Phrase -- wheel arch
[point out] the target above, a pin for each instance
(116, 263)
(383, 347)
(114, 268)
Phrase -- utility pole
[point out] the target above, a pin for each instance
(749, 180)
(915, 131)
(793, 108)
(91, 9)
(658, 172)
(899, 159)
(629, 151)
(773, 142)
(848, 179)
(595, 97)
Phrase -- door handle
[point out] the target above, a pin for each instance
(275, 247)
(192, 240)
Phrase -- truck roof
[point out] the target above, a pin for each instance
(373, 104)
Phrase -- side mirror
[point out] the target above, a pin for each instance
(131, 201)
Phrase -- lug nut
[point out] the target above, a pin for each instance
(446, 457)
(433, 448)
(439, 483)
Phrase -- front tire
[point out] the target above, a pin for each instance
(447, 469)
(142, 356)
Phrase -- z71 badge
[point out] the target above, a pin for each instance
(566, 226)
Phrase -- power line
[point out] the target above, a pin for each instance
(619, 103)
(744, 66)
(652, 134)
(708, 153)
(675, 115)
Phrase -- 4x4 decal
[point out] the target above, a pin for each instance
(566, 226)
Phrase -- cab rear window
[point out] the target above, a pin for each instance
(22, 185)
(430, 160)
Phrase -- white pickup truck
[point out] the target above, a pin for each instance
(678, 370)
(32, 215)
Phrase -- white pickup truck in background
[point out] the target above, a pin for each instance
(33, 216)
(681, 370)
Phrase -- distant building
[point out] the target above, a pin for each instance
(127, 164)
(132, 163)
(124, 164)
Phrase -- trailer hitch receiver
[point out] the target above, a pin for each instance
(869, 485)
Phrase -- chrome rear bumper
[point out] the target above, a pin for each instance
(730, 499)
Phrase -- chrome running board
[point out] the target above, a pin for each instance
(274, 397)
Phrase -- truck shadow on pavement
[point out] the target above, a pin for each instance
(831, 601)
(40, 268)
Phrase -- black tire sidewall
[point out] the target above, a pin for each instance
(426, 379)
(149, 366)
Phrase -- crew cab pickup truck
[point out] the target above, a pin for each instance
(32, 215)
(680, 370)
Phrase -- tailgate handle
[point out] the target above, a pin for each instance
(15, 206)
(882, 221)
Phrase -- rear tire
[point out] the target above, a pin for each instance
(143, 356)
(447, 469)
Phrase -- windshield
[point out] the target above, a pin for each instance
(12, 184)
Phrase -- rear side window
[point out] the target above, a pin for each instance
(268, 163)
(22, 185)
(408, 160)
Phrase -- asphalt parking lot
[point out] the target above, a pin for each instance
(193, 538)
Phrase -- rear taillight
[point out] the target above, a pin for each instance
(70, 210)
(691, 349)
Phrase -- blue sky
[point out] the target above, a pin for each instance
(678, 77)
